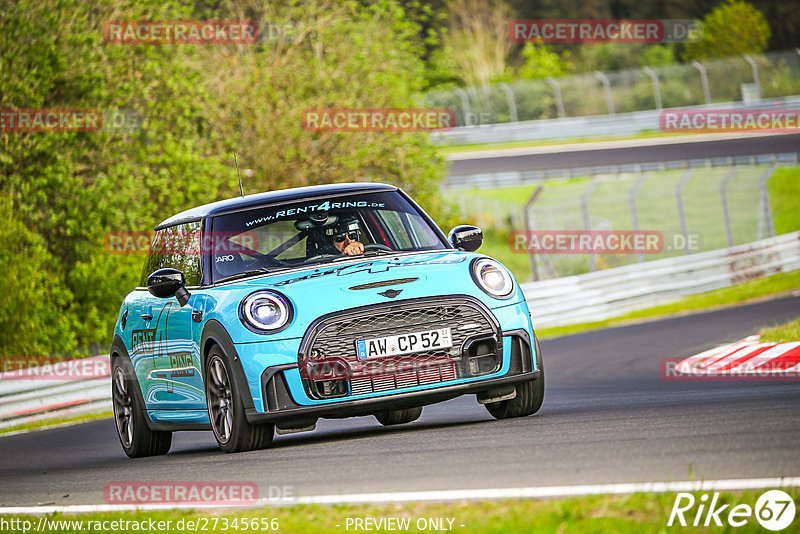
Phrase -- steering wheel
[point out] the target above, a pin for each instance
(376, 246)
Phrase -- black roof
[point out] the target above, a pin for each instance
(271, 197)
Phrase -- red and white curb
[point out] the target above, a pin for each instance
(748, 358)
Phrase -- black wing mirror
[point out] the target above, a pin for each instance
(466, 237)
(165, 283)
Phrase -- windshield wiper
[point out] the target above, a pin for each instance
(250, 272)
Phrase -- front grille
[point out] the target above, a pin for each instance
(332, 339)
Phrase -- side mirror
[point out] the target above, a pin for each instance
(466, 237)
(165, 283)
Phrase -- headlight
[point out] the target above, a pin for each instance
(265, 312)
(492, 277)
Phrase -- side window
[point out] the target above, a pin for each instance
(177, 247)
(409, 231)
(424, 233)
(393, 221)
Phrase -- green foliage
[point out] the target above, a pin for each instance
(475, 44)
(540, 62)
(607, 56)
(658, 55)
(731, 29)
(31, 322)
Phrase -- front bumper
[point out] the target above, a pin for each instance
(281, 407)
(352, 408)
(278, 393)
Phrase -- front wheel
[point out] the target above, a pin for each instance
(136, 438)
(226, 412)
(530, 395)
(398, 417)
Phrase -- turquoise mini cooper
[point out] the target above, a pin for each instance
(259, 315)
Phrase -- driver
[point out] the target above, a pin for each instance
(345, 238)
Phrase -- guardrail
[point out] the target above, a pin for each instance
(605, 294)
(621, 124)
(29, 394)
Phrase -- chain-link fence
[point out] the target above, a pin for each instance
(694, 206)
(743, 78)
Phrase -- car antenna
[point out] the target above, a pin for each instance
(236, 161)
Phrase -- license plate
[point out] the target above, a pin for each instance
(379, 347)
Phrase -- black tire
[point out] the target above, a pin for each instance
(135, 436)
(226, 411)
(398, 417)
(530, 395)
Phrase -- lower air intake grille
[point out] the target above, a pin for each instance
(330, 344)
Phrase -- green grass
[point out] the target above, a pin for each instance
(651, 134)
(784, 197)
(644, 512)
(784, 333)
(762, 287)
(57, 421)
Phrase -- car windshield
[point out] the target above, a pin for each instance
(317, 231)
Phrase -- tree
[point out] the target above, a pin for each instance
(199, 103)
(476, 44)
(731, 29)
(540, 62)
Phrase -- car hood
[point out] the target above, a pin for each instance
(330, 288)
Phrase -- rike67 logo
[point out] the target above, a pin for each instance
(774, 510)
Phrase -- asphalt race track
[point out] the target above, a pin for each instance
(608, 417)
(742, 146)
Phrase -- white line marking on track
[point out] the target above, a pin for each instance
(543, 492)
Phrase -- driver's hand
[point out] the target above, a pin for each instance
(353, 249)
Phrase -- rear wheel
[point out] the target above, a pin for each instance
(530, 395)
(226, 410)
(136, 438)
(398, 417)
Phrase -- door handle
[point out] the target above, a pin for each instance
(146, 316)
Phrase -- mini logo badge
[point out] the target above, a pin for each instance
(390, 293)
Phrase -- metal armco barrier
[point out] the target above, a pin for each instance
(620, 124)
(561, 301)
(38, 393)
(605, 294)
